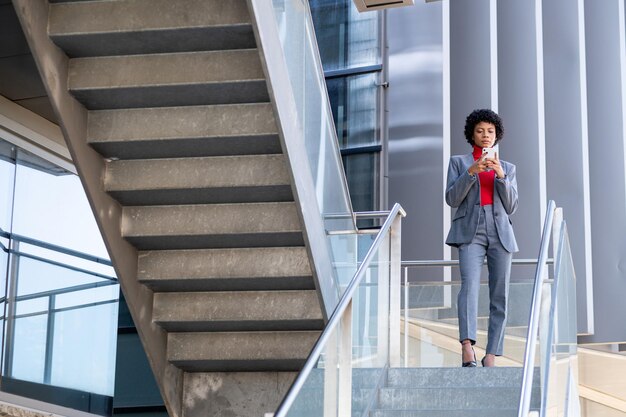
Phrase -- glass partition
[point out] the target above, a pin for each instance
(430, 330)
(61, 327)
(297, 38)
(296, 79)
(58, 292)
(357, 350)
(557, 358)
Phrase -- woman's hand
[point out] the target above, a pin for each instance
(483, 164)
(480, 165)
(494, 163)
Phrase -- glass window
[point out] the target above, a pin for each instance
(346, 38)
(362, 174)
(349, 42)
(7, 173)
(66, 335)
(84, 348)
(354, 103)
(36, 276)
(54, 209)
(29, 348)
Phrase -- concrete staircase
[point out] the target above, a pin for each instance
(451, 392)
(178, 110)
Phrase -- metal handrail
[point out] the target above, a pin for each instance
(61, 265)
(64, 290)
(358, 215)
(335, 317)
(455, 262)
(451, 283)
(55, 248)
(533, 322)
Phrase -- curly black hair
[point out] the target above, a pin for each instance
(483, 115)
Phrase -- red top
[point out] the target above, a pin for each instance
(486, 180)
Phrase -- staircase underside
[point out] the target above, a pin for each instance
(166, 111)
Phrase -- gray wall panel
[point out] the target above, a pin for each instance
(416, 126)
(560, 86)
(604, 23)
(567, 167)
(519, 94)
(470, 69)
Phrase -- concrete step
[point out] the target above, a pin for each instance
(455, 377)
(237, 311)
(310, 402)
(222, 179)
(233, 393)
(212, 226)
(149, 26)
(240, 351)
(448, 399)
(238, 388)
(361, 378)
(280, 268)
(170, 132)
(173, 79)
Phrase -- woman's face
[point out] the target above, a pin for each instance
(484, 134)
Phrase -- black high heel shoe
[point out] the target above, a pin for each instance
(470, 364)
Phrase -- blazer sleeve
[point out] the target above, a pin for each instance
(507, 190)
(458, 183)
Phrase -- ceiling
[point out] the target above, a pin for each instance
(19, 78)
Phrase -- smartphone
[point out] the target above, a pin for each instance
(490, 152)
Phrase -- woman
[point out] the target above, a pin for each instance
(484, 192)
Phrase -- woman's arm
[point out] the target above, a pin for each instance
(458, 183)
(507, 190)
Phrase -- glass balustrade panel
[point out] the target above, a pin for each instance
(356, 352)
(61, 328)
(430, 330)
(315, 118)
(558, 361)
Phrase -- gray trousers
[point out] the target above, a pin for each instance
(471, 257)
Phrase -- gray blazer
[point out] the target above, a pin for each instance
(463, 192)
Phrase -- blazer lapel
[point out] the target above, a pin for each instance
(468, 160)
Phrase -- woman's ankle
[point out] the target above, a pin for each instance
(489, 360)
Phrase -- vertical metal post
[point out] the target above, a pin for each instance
(383, 274)
(535, 313)
(406, 316)
(395, 279)
(47, 371)
(556, 233)
(383, 112)
(345, 363)
(14, 266)
(331, 372)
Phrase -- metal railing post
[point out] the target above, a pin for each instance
(47, 372)
(345, 363)
(14, 267)
(406, 316)
(533, 322)
(383, 294)
(331, 376)
(395, 291)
